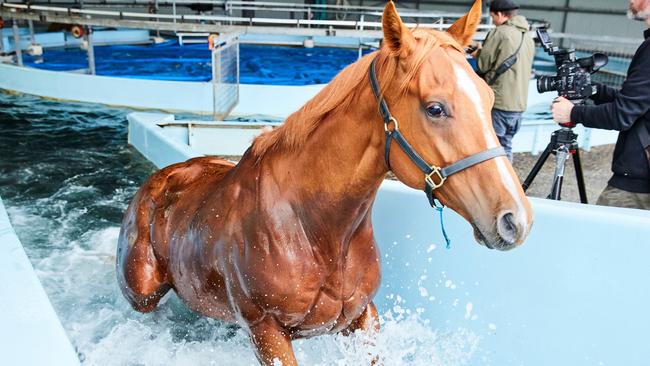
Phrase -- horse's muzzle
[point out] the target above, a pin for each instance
(505, 235)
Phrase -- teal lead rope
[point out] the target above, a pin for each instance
(442, 226)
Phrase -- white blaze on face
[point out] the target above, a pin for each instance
(465, 84)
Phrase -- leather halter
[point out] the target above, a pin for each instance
(434, 176)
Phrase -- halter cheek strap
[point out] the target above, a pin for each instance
(434, 176)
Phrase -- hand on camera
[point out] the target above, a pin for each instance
(561, 109)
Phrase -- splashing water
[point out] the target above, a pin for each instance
(66, 176)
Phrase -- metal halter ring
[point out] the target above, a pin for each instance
(429, 178)
(392, 119)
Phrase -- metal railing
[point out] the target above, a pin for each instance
(367, 23)
(225, 75)
(228, 6)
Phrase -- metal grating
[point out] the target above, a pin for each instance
(225, 76)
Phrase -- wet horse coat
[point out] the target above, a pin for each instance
(282, 243)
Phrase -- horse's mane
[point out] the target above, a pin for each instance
(340, 92)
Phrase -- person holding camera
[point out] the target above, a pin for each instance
(505, 61)
(628, 111)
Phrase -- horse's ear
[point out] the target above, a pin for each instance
(399, 39)
(464, 28)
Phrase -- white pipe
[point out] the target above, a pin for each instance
(174, 10)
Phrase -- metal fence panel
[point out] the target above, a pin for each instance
(225, 77)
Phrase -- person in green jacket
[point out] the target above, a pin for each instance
(510, 37)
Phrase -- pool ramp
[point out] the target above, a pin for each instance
(30, 331)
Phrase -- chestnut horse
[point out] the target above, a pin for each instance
(282, 243)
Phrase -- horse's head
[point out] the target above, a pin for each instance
(444, 111)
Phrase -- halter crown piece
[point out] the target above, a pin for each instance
(434, 176)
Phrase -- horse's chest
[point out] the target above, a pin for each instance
(341, 299)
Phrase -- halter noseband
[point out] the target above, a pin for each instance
(434, 176)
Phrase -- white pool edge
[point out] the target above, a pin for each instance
(30, 330)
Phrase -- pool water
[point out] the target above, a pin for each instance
(66, 177)
(276, 65)
(270, 65)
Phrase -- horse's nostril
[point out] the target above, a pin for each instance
(507, 227)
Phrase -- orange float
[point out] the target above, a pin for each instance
(77, 31)
(211, 38)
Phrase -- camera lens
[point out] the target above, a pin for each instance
(546, 84)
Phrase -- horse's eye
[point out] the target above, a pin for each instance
(436, 110)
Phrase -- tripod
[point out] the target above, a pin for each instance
(563, 143)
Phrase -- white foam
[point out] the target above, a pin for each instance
(468, 310)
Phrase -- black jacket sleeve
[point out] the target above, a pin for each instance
(605, 94)
(630, 103)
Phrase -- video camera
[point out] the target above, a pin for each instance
(573, 79)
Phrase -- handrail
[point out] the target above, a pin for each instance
(354, 24)
(261, 5)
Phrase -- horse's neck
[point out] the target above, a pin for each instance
(334, 177)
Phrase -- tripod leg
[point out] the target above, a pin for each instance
(556, 191)
(561, 155)
(579, 177)
(538, 165)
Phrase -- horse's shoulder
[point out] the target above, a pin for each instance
(182, 176)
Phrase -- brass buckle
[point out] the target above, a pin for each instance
(429, 178)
